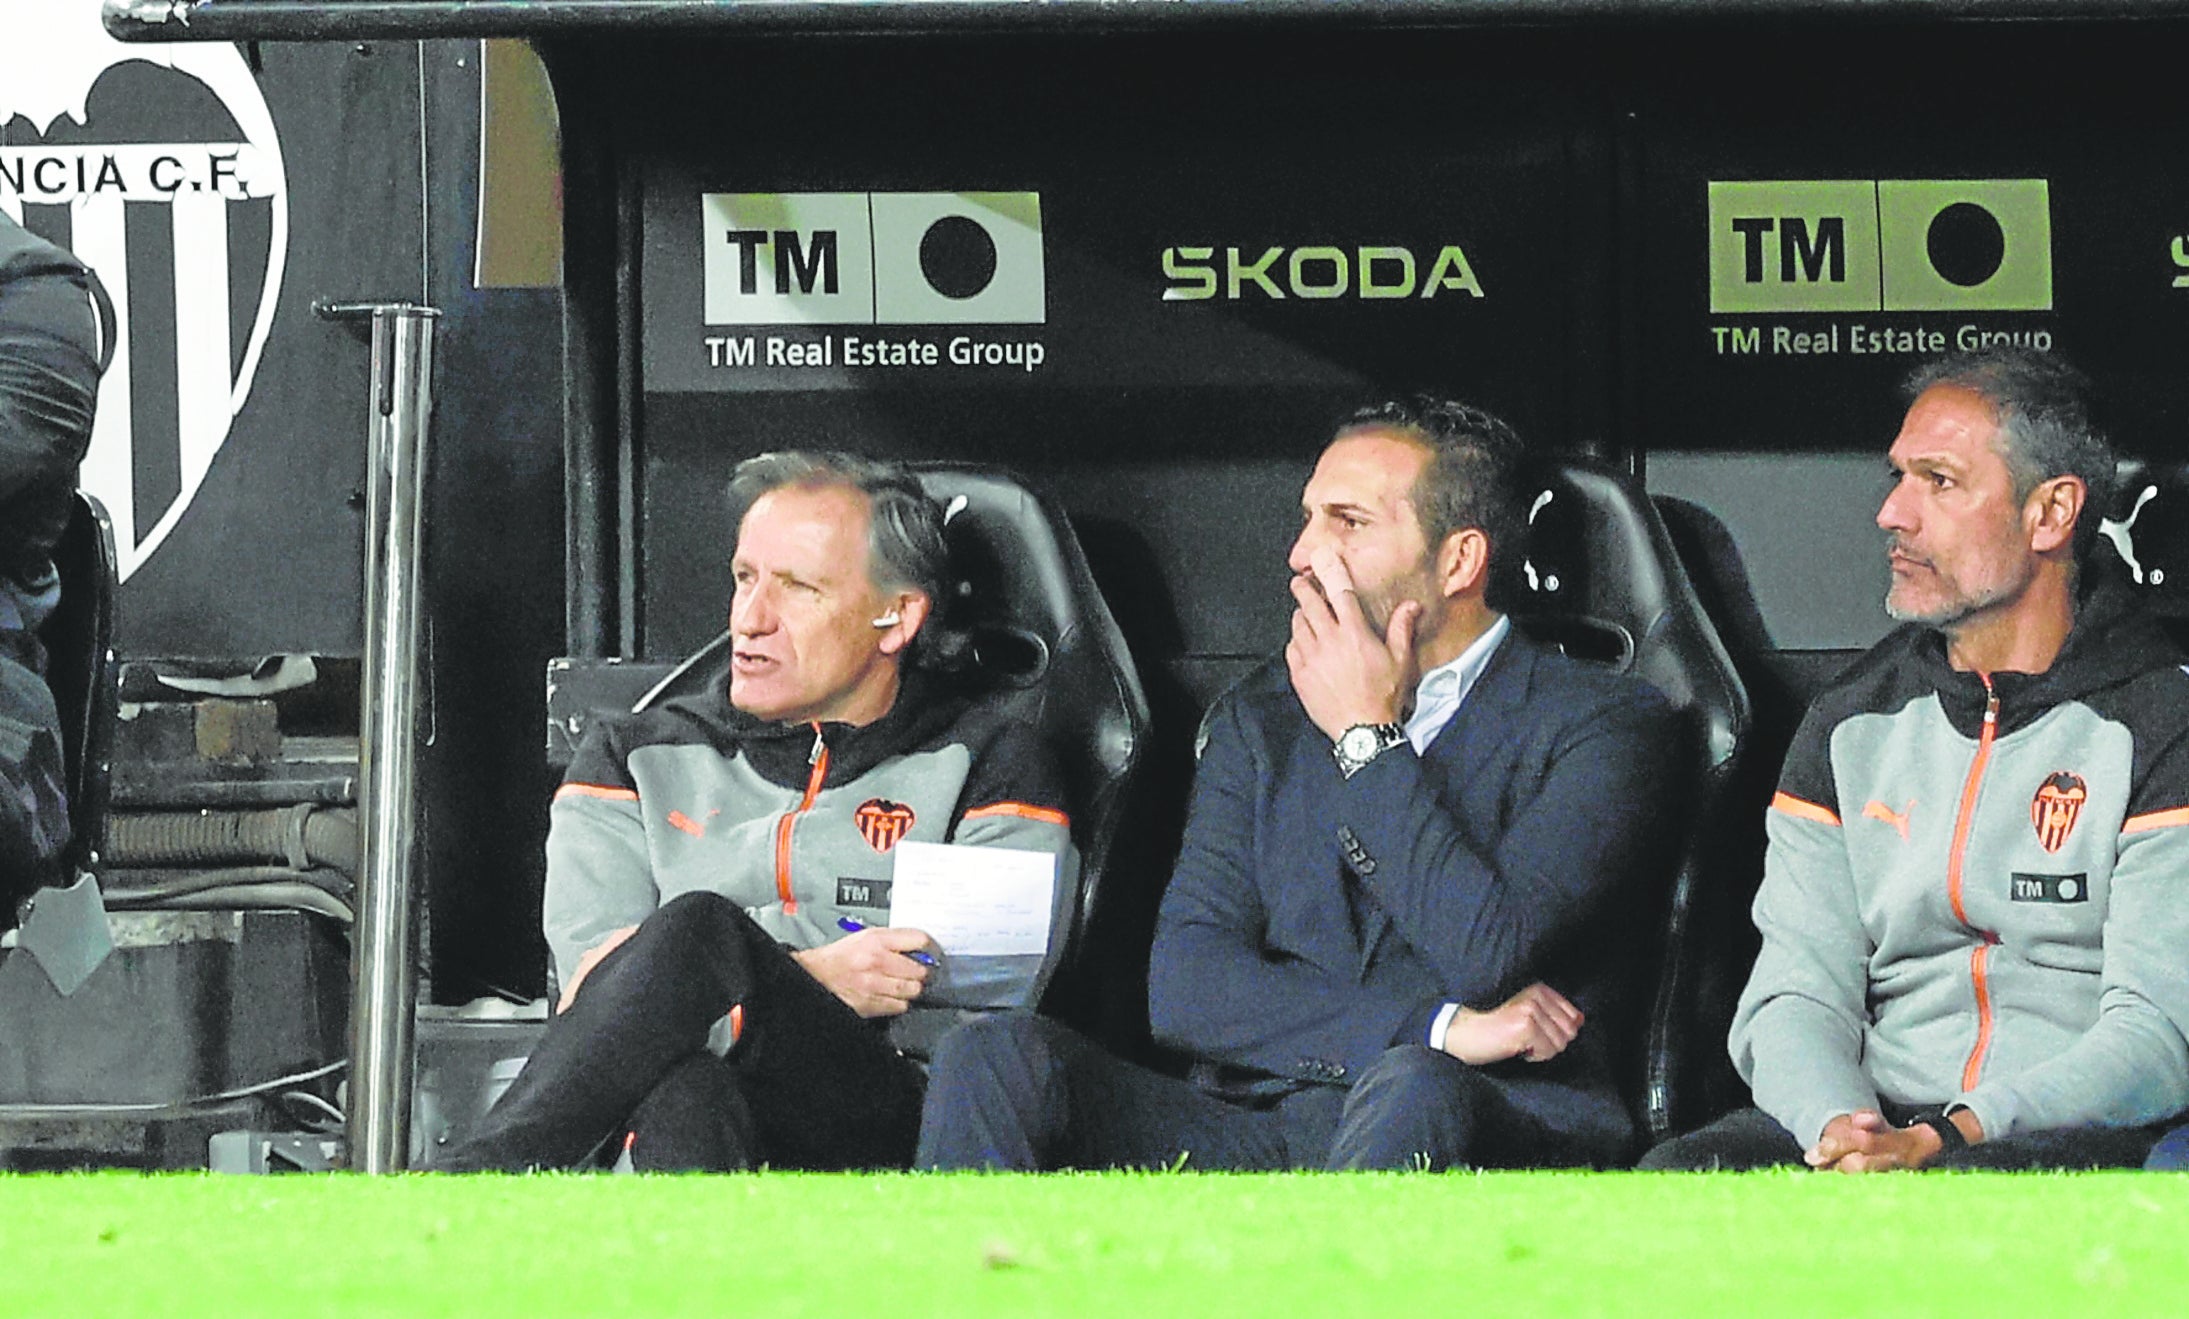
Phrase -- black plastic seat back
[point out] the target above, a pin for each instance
(2148, 531)
(1603, 581)
(1043, 640)
(79, 642)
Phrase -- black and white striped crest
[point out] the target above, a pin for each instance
(158, 166)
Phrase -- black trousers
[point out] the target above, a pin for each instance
(1016, 1091)
(1749, 1138)
(807, 1084)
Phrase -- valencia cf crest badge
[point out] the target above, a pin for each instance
(882, 822)
(2058, 801)
(159, 167)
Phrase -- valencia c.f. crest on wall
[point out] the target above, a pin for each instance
(159, 167)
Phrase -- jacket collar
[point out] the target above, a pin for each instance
(1510, 678)
(784, 753)
(2113, 640)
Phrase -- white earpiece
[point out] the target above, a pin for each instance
(889, 619)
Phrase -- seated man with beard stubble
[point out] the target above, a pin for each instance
(1399, 930)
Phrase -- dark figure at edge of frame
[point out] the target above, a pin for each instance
(49, 386)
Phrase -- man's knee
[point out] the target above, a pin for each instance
(994, 1044)
(702, 910)
(2171, 1154)
(1412, 1074)
(1745, 1138)
(993, 1100)
(2057, 1149)
(1689, 1153)
(1413, 1107)
(689, 948)
(703, 922)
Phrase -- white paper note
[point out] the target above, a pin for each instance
(975, 901)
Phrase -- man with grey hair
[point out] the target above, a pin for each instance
(719, 867)
(1972, 904)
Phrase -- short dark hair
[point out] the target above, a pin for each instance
(905, 546)
(1474, 476)
(2041, 405)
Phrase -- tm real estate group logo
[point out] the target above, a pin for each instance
(809, 266)
(1873, 266)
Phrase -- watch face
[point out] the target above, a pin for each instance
(1359, 743)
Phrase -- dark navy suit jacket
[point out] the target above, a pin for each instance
(1314, 921)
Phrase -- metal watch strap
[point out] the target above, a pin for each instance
(1387, 737)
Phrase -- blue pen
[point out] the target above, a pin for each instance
(850, 926)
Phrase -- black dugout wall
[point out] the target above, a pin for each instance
(1722, 244)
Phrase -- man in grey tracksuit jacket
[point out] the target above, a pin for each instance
(1975, 905)
(1978, 893)
(797, 824)
(719, 868)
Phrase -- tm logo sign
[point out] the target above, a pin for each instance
(1838, 245)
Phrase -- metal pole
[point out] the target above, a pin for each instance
(385, 956)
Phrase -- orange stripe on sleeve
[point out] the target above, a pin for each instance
(1803, 810)
(1022, 811)
(595, 790)
(2136, 824)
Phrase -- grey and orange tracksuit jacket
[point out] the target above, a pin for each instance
(798, 823)
(1977, 889)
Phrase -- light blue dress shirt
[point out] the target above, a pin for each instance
(1436, 700)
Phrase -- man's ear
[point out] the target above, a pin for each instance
(908, 612)
(1463, 562)
(2052, 511)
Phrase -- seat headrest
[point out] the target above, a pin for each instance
(1012, 582)
(1600, 579)
(1592, 578)
(2148, 526)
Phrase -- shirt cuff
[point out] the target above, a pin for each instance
(1441, 1024)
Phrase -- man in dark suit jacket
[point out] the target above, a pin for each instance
(1415, 860)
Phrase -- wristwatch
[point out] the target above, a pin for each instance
(1949, 1133)
(1361, 743)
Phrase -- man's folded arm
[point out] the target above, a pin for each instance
(1797, 1034)
(1212, 991)
(1598, 820)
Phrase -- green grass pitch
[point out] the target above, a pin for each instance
(1112, 1244)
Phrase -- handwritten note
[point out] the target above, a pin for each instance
(975, 901)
